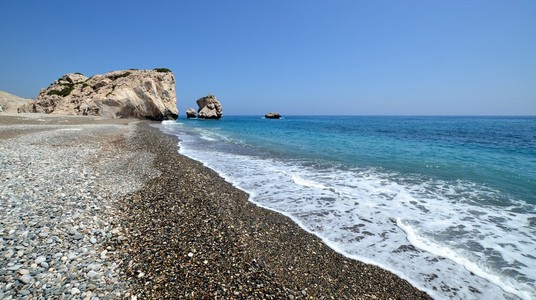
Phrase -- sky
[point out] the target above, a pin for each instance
(302, 57)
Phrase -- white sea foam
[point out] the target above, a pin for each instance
(441, 236)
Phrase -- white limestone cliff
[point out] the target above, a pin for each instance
(144, 94)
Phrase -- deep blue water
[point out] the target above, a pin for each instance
(458, 192)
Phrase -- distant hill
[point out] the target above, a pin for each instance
(10, 103)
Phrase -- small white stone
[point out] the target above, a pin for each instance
(75, 291)
(40, 259)
(9, 254)
(23, 271)
(92, 274)
(25, 279)
(190, 254)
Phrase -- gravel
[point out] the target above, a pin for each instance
(59, 176)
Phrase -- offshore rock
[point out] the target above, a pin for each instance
(272, 115)
(143, 94)
(209, 108)
(190, 113)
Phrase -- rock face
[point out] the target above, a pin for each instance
(272, 115)
(209, 108)
(190, 113)
(10, 103)
(143, 94)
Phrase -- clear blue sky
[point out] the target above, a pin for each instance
(294, 57)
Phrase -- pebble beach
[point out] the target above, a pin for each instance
(107, 209)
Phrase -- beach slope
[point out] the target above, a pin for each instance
(102, 208)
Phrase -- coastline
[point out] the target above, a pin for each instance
(194, 235)
(176, 229)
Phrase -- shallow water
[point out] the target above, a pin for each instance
(447, 203)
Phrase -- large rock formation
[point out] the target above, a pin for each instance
(144, 94)
(190, 113)
(10, 103)
(272, 115)
(209, 108)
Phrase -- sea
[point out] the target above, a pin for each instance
(447, 203)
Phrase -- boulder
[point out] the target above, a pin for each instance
(143, 94)
(209, 108)
(272, 115)
(190, 113)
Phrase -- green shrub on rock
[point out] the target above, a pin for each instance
(114, 77)
(67, 89)
(162, 70)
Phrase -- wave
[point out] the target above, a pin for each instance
(443, 237)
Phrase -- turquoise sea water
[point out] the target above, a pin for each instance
(448, 203)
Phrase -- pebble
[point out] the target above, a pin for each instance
(14, 267)
(26, 279)
(40, 259)
(56, 192)
(23, 272)
(92, 274)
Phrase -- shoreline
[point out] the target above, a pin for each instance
(173, 228)
(205, 239)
